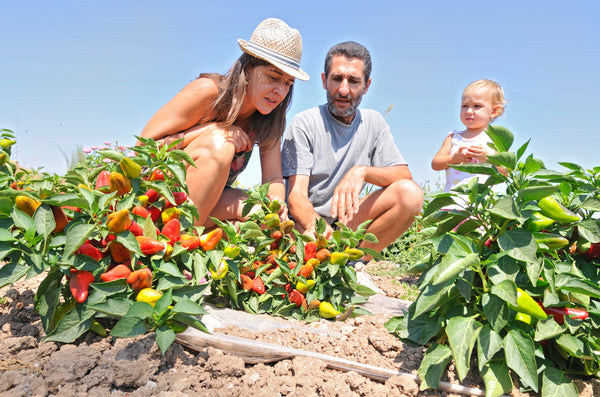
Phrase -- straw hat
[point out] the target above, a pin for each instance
(275, 42)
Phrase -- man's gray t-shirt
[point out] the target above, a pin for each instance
(325, 149)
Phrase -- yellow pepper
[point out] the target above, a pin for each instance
(326, 310)
(304, 287)
(148, 295)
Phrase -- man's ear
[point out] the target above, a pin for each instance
(324, 79)
(367, 85)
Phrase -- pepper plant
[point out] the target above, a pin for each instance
(511, 282)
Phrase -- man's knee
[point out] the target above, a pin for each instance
(408, 195)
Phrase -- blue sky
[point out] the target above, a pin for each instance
(83, 72)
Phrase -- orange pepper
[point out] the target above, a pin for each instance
(118, 221)
(210, 240)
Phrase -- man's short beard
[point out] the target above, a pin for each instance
(345, 113)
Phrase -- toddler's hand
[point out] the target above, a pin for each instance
(462, 155)
(477, 153)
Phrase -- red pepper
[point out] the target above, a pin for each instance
(152, 195)
(136, 229)
(117, 272)
(310, 251)
(180, 198)
(258, 286)
(559, 313)
(247, 282)
(154, 213)
(172, 230)
(189, 241)
(79, 284)
(91, 251)
(210, 240)
(296, 297)
(149, 245)
(103, 181)
(140, 279)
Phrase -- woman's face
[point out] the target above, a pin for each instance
(267, 87)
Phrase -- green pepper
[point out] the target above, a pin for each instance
(555, 210)
(232, 251)
(526, 304)
(221, 271)
(537, 222)
(531, 193)
(550, 240)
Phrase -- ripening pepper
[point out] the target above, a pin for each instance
(27, 204)
(538, 222)
(103, 181)
(323, 255)
(119, 183)
(150, 246)
(232, 251)
(172, 230)
(210, 240)
(314, 304)
(246, 281)
(339, 258)
(3, 158)
(321, 242)
(189, 241)
(296, 297)
(326, 310)
(60, 219)
(157, 175)
(221, 271)
(286, 226)
(91, 251)
(555, 210)
(155, 213)
(258, 286)
(526, 304)
(119, 252)
(148, 295)
(559, 313)
(306, 270)
(130, 168)
(168, 214)
(550, 240)
(310, 251)
(140, 211)
(98, 329)
(140, 279)
(272, 220)
(305, 287)
(354, 254)
(79, 284)
(5, 142)
(275, 206)
(118, 221)
(117, 272)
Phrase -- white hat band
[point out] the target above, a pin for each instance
(267, 52)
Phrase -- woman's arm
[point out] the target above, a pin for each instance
(191, 105)
(270, 164)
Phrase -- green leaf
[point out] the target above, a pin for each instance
(462, 334)
(115, 307)
(44, 220)
(591, 204)
(434, 364)
(589, 229)
(76, 236)
(476, 168)
(141, 310)
(450, 268)
(556, 383)
(170, 269)
(109, 288)
(573, 283)
(507, 160)
(11, 273)
(432, 297)
(419, 329)
(129, 327)
(532, 165)
(73, 324)
(548, 329)
(505, 208)
(497, 379)
(519, 352)
(70, 199)
(519, 244)
(164, 337)
(488, 344)
(21, 219)
(574, 346)
(507, 291)
(189, 307)
(521, 150)
(501, 137)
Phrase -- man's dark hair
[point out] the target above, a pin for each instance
(350, 49)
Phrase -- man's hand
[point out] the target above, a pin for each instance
(345, 201)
